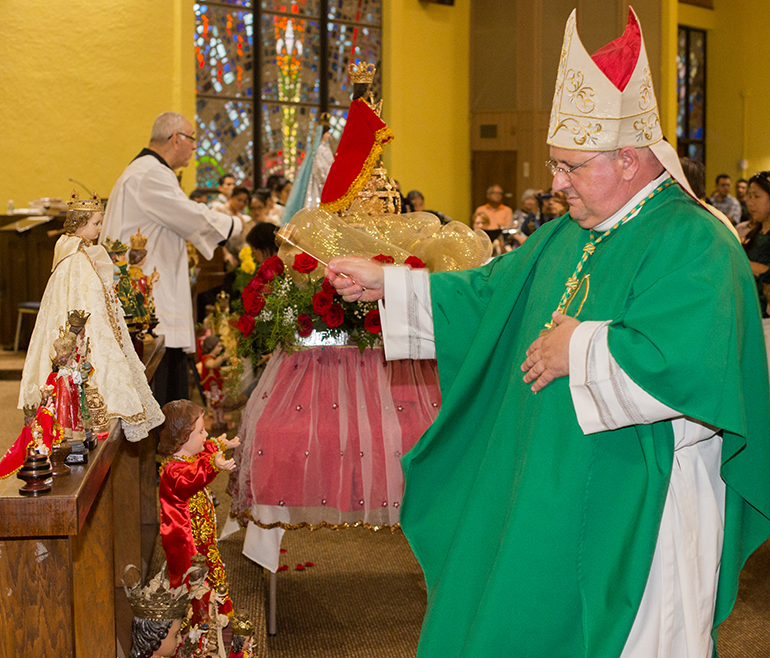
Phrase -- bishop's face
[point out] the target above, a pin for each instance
(593, 190)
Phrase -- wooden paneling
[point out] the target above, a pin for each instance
(494, 168)
(25, 266)
(93, 591)
(36, 598)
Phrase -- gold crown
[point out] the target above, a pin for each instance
(65, 343)
(78, 318)
(29, 410)
(242, 625)
(362, 73)
(93, 204)
(325, 119)
(159, 600)
(114, 246)
(46, 391)
(138, 241)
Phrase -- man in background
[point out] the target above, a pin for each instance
(499, 214)
(147, 196)
(724, 201)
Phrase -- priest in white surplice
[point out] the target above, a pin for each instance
(147, 198)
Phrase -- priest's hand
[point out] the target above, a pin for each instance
(548, 356)
(356, 278)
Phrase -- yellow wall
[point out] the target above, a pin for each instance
(80, 85)
(737, 113)
(425, 88)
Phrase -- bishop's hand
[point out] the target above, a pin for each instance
(356, 278)
(548, 357)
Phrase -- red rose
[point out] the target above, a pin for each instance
(253, 302)
(372, 321)
(384, 259)
(304, 325)
(256, 284)
(304, 263)
(334, 317)
(328, 286)
(271, 268)
(414, 262)
(322, 302)
(246, 325)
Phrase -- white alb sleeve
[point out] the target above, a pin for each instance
(605, 397)
(406, 314)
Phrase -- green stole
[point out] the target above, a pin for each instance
(535, 539)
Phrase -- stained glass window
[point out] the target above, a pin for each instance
(300, 70)
(691, 94)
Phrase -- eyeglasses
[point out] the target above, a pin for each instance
(555, 169)
(192, 138)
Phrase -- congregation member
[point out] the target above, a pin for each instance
(595, 487)
(225, 187)
(147, 196)
(724, 201)
(499, 214)
(741, 187)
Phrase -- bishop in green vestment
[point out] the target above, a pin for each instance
(596, 478)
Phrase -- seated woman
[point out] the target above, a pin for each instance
(757, 242)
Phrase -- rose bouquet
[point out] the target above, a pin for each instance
(276, 311)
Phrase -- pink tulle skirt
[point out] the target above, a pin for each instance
(323, 434)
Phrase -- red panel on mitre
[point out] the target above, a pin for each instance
(360, 147)
(617, 60)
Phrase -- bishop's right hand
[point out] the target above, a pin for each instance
(356, 278)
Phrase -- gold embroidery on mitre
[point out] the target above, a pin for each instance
(568, 32)
(584, 132)
(580, 95)
(644, 127)
(646, 93)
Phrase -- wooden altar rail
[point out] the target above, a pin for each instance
(62, 555)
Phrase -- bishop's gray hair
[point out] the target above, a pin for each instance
(166, 125)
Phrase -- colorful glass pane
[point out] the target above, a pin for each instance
(286, 135)
(365, 44)
(225, 143)
(239, 3)
(696, 109)
(290, 57)
(681, 84)
(357, 11)
(223, 50)
(301, 7)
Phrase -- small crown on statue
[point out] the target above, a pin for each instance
(325, 119)
(138, 241)
(29, 410)
(242, 625)
(361, 73)
(65, 343)
(78, 318)
(158, 600)
(91, 204)
(114, 246)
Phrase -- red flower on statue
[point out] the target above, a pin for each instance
(372, 321)
(322, 302)
(271, 268)
(253, 302)
(304, 263)
(384, 259)
(246, 325)
(328, 286)
(304, 324)
(414, 262)
(334, 317)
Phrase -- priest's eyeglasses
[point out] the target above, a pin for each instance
(192, 138)
(556, 169)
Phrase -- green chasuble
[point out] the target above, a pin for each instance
(536, 540)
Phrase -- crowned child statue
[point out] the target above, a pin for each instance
(81, 279)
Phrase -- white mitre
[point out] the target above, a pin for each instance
(606, 101)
